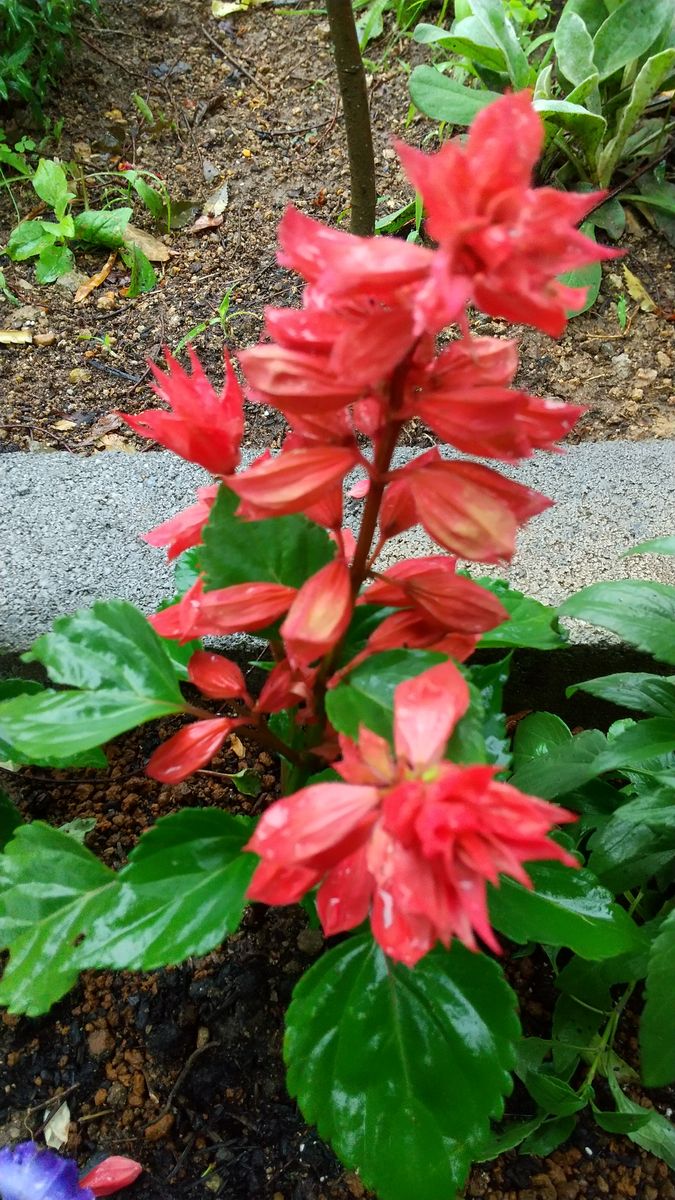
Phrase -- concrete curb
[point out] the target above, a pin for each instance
(70, 526)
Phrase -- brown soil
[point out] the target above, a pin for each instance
(261, 115)
(182, 1068)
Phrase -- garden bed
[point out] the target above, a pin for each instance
(263, 118)
(182, 1068)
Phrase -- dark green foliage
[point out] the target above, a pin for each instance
(33, 36)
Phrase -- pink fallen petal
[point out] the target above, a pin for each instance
(111, 1175)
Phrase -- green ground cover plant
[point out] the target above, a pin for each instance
(33, 37)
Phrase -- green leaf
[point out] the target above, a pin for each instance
(633, 689)
(50, 729)
(54, 261)
(646, 85)
(54, 889)
(511, 1136)
(611, 217)
(657, 1136)
(567, 906)
(588, 127)
(110, 645)
(28, 240)
(490, 679)
(565, 767)
(575, 1026)
(537, 735)
(78, 828)
(574, 48)
(659, 545)
(366, 696)
(616, 1122)
(553, 1094)
(102, 228)
(625, 854)
(283, 550)
(143, 276)
(113, 654)
(247, 782)
(629, 32)
(444, 99)
(589, 277)
(657, 1027)
(656, 808)
(548, 1137)
(484, 56)
(491, 16)
(182, 892)
(9, 688)
(51, 185)
(531, 623)
(641, 613)
(10, 819)
(364, 1041)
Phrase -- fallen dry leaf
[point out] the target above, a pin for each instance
(94, 281)
(15, 337)
(638, 291)
(105, 424)
(237, 746)
(113, 441)
(206, 222)
(153, 249)
(64, 424)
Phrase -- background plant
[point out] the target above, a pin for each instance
(33, 37)
(595, 78)
(49, 242)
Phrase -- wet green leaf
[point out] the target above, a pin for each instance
(364, 1040)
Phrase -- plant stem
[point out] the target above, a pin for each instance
(378, 482)
(354, 93)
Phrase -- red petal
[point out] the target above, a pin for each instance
(426, 710)
(216, 676)
(111, 1175)
(190, 748)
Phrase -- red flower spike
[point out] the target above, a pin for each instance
(505, 239)
(414, 842)
(190, 748)
(292, 481)
(204, 427)
(217, 677)
(185, 529)
(242, 608)
(111, 1175)
(319, 614)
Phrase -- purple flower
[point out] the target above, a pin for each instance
(28, 1173)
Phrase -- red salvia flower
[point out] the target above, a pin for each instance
(204, 426)
(505, 239)
(411, 841)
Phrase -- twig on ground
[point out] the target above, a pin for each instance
(238, 66)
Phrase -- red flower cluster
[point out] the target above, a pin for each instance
(413, 841)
